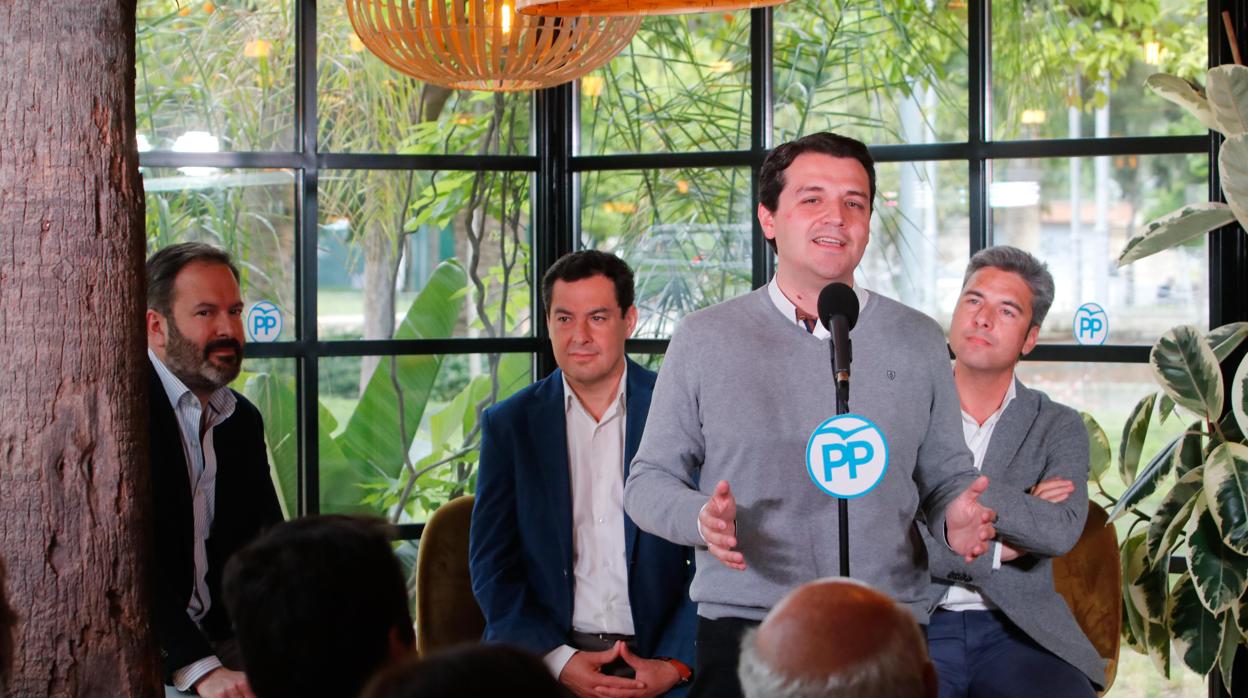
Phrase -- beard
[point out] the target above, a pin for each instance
(196, 367)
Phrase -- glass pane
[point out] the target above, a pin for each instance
(270, 385)
(685, 232)
(1079, 72)
(920, 236)
(365, 106)
(250, 213)
(371, 442)
(215, 77)
(682, 84)
(895, 74)
(407, 254)
(1032, 203)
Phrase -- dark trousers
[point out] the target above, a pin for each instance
(981, 654)
(717, 650)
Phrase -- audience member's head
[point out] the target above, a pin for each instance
(319, 605)
(8, 621)
(832, 638)
(468, 671)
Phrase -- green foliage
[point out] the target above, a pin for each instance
(365, 467)
(1205, 511)
(1223, 107)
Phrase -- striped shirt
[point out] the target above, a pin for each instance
(195, 425)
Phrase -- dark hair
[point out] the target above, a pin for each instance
(164, 266)
(575, 266)
(469, 671)
(771, 176)
(1033, 272)
(314, 603)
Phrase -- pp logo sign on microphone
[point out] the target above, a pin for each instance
(846, 456)
(1091, 324)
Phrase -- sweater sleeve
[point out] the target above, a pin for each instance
(661, 494)
(945, 466)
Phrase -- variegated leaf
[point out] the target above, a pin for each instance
(1231, 639)
(1099, 455)
(1196, 632)
(1227, 92)
(1133, 432)
(1233, 161)
(1187, 370)
(1225, 339)
(1219, 573)
(1166, 526)
(1226, 488)
(1185, 94)
(1165, 407)
(1191, 452)
(1238, 395)
(1146, 584)
(1174, 229)
(1145, 483)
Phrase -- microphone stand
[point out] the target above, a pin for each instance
(842, 504)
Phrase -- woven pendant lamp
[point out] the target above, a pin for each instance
(484, 44)
(623, 8)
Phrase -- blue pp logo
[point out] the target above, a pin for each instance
(264, 322)
(847, 456)
(1091, 324)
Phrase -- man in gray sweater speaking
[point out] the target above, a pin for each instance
(722, 465)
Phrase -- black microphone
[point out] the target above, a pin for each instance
(838, 311)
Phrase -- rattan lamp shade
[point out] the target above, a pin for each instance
(484, 44)
(621, 8)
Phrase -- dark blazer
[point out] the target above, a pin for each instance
(245, 505)
(521, 538)
(1036, 439)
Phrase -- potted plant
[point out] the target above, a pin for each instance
(1204, 612)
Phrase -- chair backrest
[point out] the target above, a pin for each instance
(446, 611)
(1089, 577)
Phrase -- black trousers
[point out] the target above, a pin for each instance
(717, 651)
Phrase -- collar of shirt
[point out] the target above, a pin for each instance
(221, 403)
(617, 405)
(978, 435)
(789, 309)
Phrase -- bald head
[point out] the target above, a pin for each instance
(836, 637)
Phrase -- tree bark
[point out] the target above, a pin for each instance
(74, 522)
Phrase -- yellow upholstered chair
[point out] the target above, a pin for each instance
(1090, 579)
(446, 611)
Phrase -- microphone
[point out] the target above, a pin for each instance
(838, 311)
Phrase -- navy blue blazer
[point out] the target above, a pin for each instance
(520, 550)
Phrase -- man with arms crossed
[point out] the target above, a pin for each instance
(744, 383)
(210, 471)
(999, 628)
(557, 566)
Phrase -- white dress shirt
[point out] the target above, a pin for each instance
(201, 471)
(599, 565)
(978, 436)
(789, 309)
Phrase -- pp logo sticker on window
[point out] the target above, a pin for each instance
(264, 322)
(1091, 324)
(847, 456)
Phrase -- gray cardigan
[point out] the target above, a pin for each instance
(1036, 439)
(741, 389)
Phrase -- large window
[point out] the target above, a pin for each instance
(402, 228)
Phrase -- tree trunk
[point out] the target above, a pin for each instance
(73, 456)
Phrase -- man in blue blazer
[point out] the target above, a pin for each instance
(557, 566)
